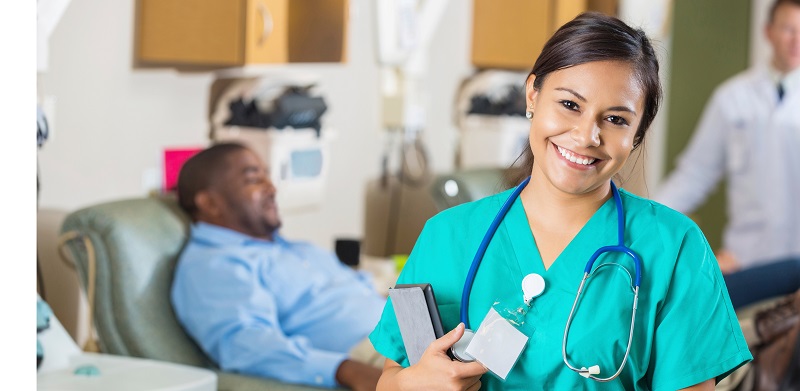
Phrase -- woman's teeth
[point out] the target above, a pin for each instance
(567, 154)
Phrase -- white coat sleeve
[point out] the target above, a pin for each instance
(701, 165)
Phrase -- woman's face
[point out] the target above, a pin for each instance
(584, 121)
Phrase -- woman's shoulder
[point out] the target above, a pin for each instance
(645, 213)
(463, 215)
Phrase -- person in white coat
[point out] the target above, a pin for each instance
(750, 134)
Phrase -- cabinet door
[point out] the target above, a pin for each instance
(240, 32)
(266, 32)
(208, 32)
(296, 31)
(512, 35)
(318, 30)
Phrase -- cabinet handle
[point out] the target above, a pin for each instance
(266, 21)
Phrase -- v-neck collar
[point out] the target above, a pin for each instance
(566, 270)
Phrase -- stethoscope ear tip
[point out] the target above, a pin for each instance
(593, 370)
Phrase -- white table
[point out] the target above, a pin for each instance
(126, 374)
(62, 357)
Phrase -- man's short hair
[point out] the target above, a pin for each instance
(201, 171)
(778, 3)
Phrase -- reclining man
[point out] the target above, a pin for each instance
(260, 304)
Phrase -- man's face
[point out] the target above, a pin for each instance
(784, 35)
(246, 196)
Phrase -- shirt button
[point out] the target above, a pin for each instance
(318, 379)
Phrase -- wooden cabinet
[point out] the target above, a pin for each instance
(510, 34)
(229, 33)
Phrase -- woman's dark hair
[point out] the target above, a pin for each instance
(590, 37)
(201, 171)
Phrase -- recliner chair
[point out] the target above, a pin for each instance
(125, 254)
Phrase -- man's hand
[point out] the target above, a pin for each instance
(727, 261)
(435, 370)
(358, 376)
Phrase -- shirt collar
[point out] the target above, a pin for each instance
(791, 80)
(219, 235)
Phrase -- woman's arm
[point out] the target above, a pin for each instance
(435, 370)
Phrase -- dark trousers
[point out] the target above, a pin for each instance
(758, 283)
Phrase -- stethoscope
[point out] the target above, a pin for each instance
(459, 348)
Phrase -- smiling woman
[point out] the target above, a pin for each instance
(584, 122)
(591, 96)
(582, 133)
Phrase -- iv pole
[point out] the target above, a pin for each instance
(405, 29)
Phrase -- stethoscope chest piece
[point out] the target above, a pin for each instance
(459, 349)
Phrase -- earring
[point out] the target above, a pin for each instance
(529, 114)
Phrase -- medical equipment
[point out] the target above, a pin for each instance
(293, 142)
(620, 247)
(395, 210)
(490, 117)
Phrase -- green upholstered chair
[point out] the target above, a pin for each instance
(125, 254)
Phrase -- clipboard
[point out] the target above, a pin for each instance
(417, 316)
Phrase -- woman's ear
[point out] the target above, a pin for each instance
(530, 92)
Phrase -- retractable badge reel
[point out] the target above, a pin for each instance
(498, 342)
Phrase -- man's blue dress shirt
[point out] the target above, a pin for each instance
(284, 310)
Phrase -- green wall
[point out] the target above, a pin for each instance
(710, 43)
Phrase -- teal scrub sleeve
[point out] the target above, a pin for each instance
(697, 334)
(386, 337)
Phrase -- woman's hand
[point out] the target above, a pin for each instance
(435, 370)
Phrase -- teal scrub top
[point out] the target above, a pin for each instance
(686, 329)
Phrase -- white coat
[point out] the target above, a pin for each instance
(752, 139)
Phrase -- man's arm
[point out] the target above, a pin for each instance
(358, 376)
(223, 307)
(701, 165)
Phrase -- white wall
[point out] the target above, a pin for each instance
(760, 49)
(111, 122)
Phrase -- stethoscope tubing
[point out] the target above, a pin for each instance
(476, 261)
(620, 247)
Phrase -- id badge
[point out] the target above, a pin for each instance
(498, 343)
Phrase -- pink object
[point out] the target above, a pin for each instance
(174, 158)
